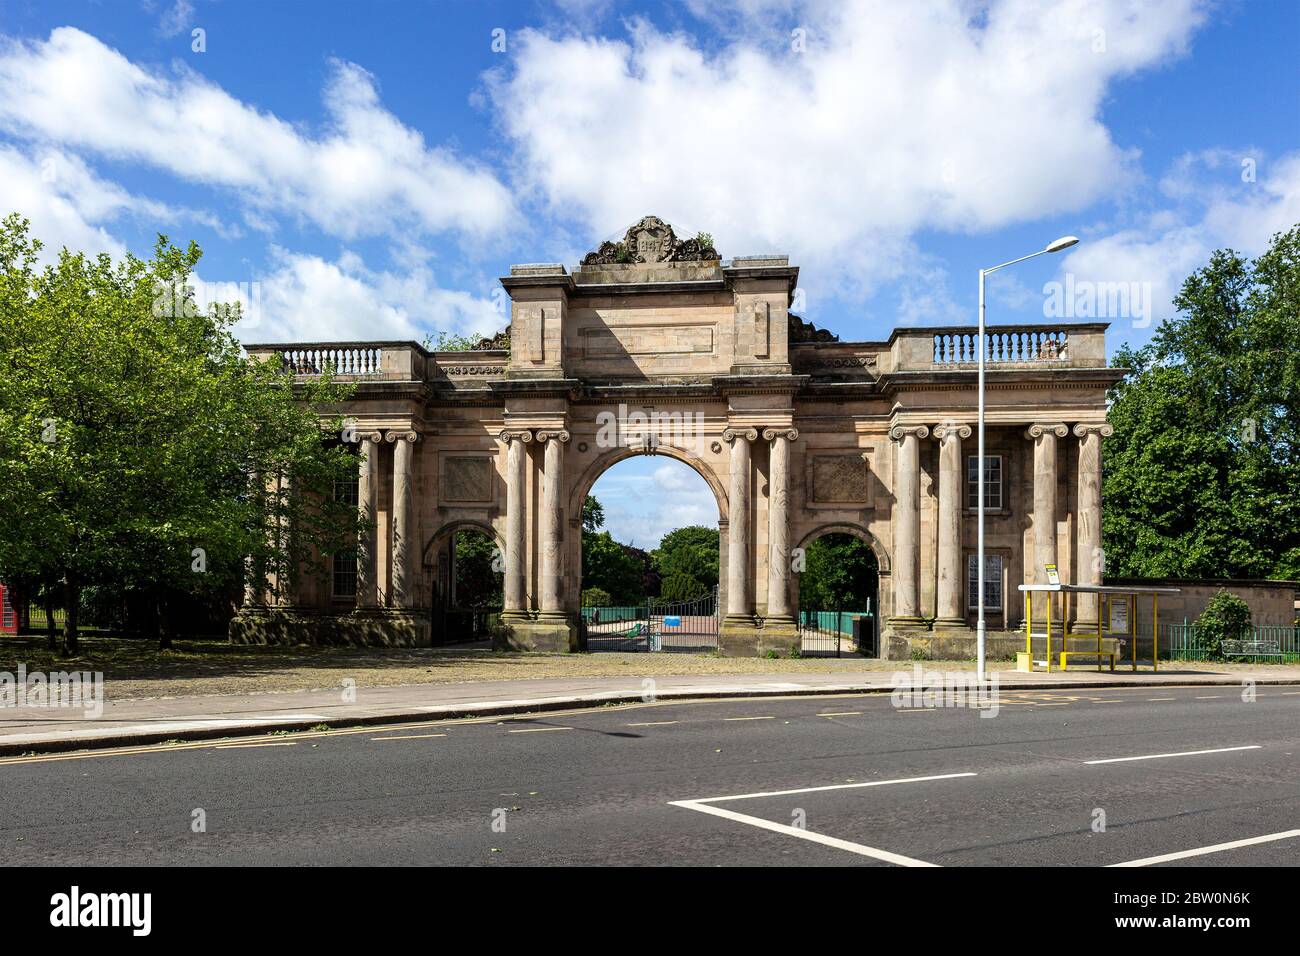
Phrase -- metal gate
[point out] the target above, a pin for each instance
(837, 633)
(680, 627)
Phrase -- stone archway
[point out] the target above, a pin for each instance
(876, 587)
(454, 616)
(802, 434)
(589, 476)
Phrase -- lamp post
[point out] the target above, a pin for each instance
(1063, 243)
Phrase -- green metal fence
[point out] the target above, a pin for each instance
(1183, 642)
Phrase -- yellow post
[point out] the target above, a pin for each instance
(1029, 627)
(1134, 636)
(1155, 632)
(1048, 635)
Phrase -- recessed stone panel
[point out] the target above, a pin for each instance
(467, 479)
(839, 478)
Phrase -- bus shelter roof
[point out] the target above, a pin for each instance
(1099, 589)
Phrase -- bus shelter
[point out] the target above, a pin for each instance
(1117, 619)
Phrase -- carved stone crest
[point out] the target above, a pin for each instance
(653, 240)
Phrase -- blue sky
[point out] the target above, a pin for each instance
(370, 169)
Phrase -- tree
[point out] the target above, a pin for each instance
(607, 565)
(680, 587)
(839, 573)
(478, 583)
(1202, 470)
(593, 516)
(691, 552)
(139, 448)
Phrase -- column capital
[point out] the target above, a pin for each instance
(729, 435)
(946, 430)
(899, 432)
(1039, 429)
(397, 434)
(364, 436)
(508, 435)
(1084, 429)
(789, 434)
(559, 434)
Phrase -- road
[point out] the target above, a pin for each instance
(642, 785)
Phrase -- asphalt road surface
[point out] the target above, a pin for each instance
(841, 781)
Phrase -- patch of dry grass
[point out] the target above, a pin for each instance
(137, 668)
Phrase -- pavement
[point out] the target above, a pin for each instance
(1162, 776)
(143, 721)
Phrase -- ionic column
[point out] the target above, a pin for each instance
(948, 599)
(516, 490)
(403, 516)
(552, 598)
(368, 509)
(255, 574)
(1044, 437)
(1089, 559)
(778, 524)
(907, 524)
(740, 592)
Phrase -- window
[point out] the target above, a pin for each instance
(992, 482)
(992, 582)
(343, 568)
(343, 564)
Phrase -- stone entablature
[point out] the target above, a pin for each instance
(796, 434)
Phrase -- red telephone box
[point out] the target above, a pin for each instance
(8, 613)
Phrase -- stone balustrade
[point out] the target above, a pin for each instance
(1020, 346)
(401, 361)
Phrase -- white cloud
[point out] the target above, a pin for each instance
(1217, 209)
(306, 298)
(365, 174)
(176, 18)
(69, 205)
(898, 118)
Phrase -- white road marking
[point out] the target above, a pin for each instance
(410, 737)
(653, 723)
(536, 730)
(809, 835)
(1210, 697)
(1216, 848)
(1162, 698)
(749, 718)
(837, 786)
(1184, 753)
(842, 713)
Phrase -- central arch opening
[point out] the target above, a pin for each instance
(838, 595)
(651, 557)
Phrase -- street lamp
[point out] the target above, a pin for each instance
(1065, 242)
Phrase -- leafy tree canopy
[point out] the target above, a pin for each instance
(1203, 470)
(138, 446)
(839, 572)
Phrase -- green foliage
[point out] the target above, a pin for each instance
(1202, 471)
(593, 516)
(839, 572)
(478, 585)
(131, 429)
(1225, 618)
(680, 587)
(595, 597)
(690, 552)
(610, 566)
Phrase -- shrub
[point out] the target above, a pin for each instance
(1225, 618)
(595, 597)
